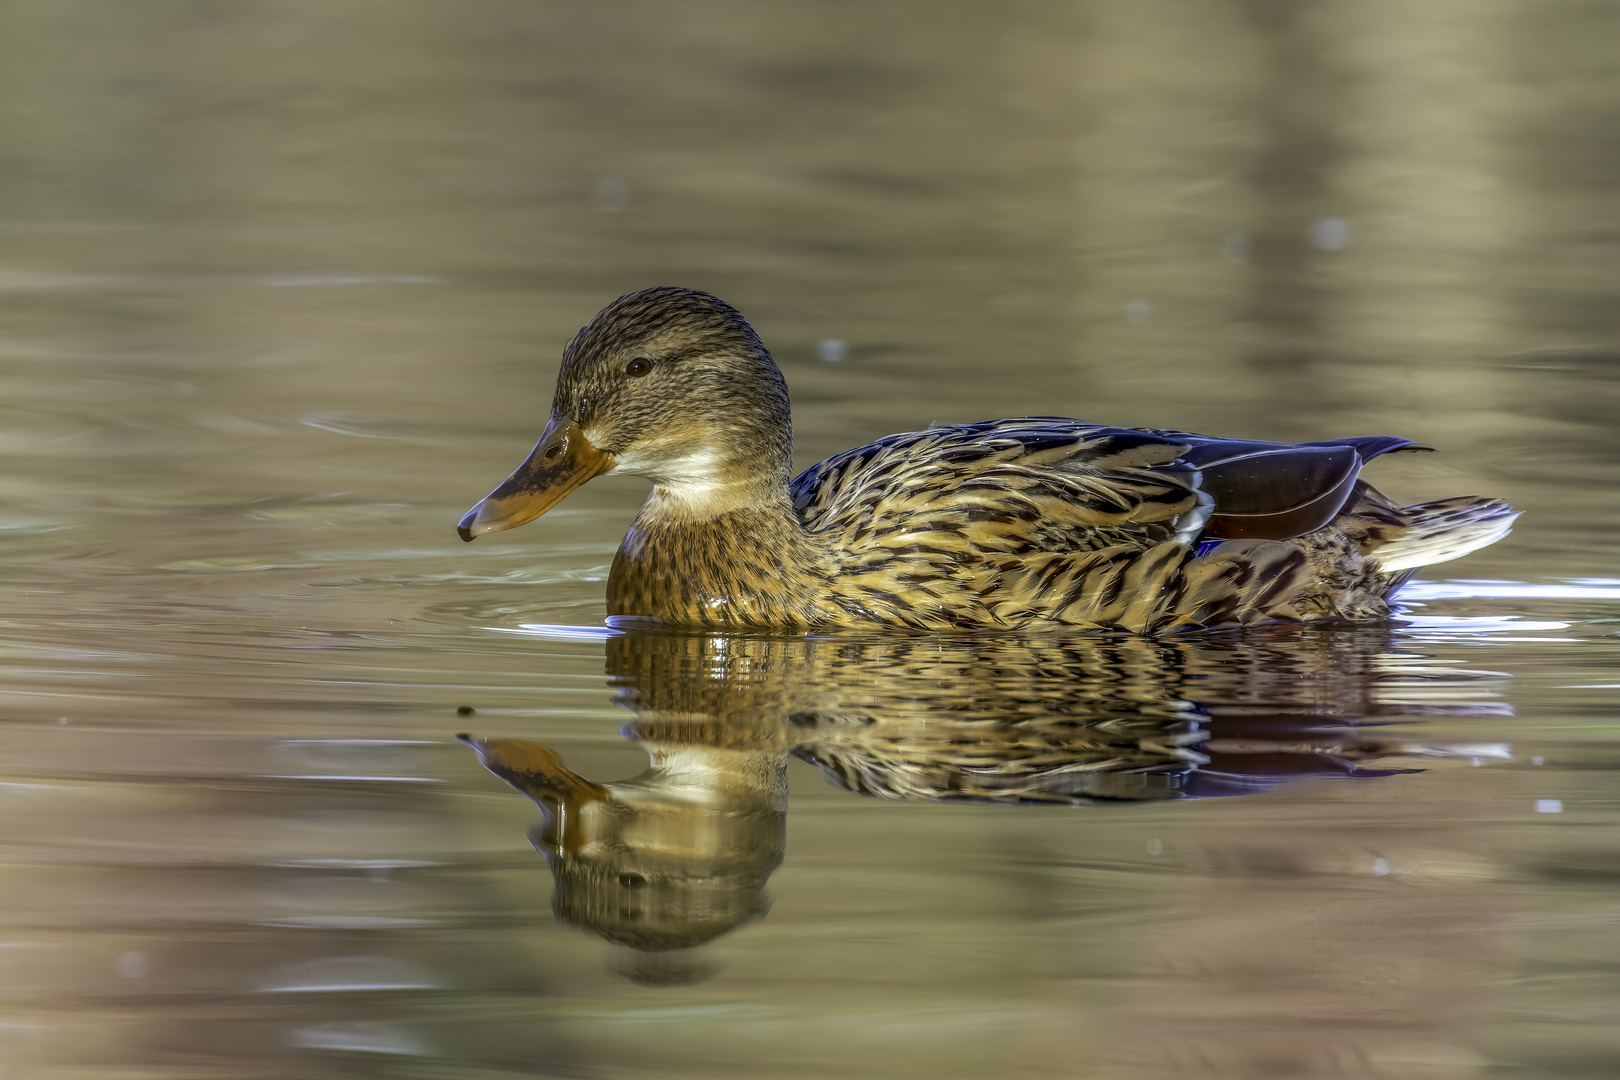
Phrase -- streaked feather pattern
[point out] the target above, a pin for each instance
(1015, 523)
(1006, 524)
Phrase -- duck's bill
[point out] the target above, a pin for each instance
(562, 460)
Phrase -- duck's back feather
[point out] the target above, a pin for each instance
(1051, 520)
(1000, 473)
(1100, 476)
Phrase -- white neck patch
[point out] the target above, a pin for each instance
(692, 474)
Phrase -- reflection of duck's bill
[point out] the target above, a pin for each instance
(561, 461)
(539, 773)
(533, 769)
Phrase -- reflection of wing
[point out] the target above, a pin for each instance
(1071, 761)
(1074, 719)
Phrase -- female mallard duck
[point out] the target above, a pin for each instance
(1006, 524)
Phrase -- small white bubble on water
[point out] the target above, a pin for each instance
(1536, 760)
(132, 964)
(833, 350)
(610, 194)
(1380, 867)
(1235, 248)
(1330, 234)
(1549, 806)
(1137, 312)
(1154, 847)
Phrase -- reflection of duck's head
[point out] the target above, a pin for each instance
(665, 860)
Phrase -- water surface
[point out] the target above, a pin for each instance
(282, 292)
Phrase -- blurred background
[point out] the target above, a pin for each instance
(283, 287)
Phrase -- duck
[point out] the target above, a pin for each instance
(1019, 524)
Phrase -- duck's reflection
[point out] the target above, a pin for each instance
(665, 860)
(680, 854)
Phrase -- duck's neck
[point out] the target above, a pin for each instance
(713, 774)
(728, 555)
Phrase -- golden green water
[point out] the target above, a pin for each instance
(282, 292)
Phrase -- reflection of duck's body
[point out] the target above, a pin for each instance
(1077, 720)
(1007, 524)
(679, 854)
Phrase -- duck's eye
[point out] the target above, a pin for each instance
(632, 881)
(638, 367)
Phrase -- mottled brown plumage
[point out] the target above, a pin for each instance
(1008, 524)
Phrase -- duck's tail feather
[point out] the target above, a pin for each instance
(1445, 529)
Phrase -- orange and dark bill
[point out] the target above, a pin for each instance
(562, 460)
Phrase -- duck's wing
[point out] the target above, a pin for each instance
(1073, 474)
(1045, 519)
(1277, 491)
(1006, 486)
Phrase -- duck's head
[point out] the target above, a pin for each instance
(667, 383)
